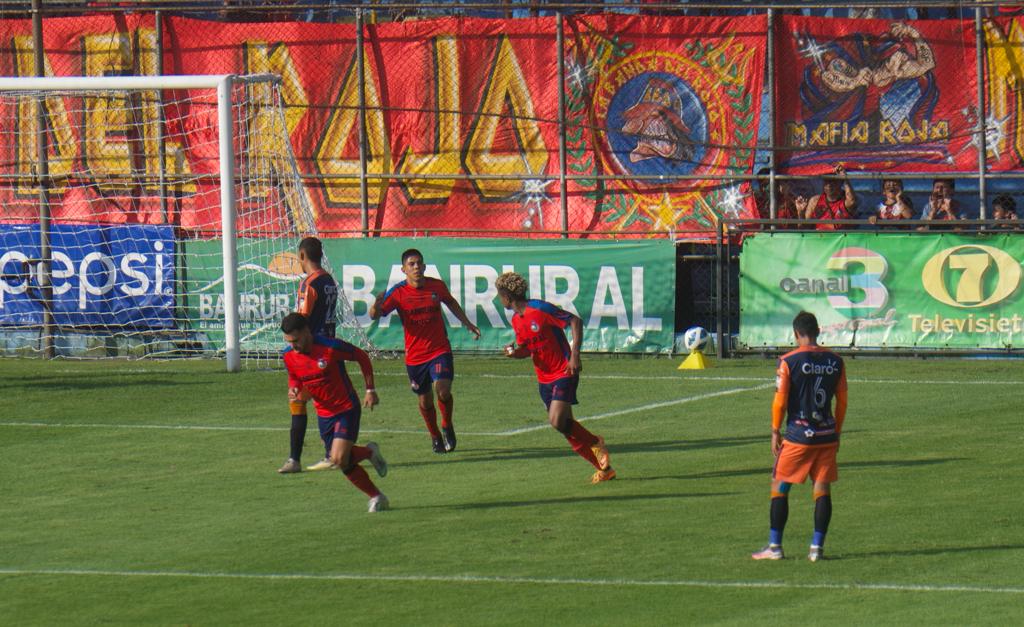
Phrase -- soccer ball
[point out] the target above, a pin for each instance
(696, 339)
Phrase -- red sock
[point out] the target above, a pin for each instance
(361, 480)
(581, 435)
(430, 418)
(583, 450)
(358, 454)
(446, 412)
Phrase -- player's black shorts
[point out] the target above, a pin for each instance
(563, 389)
(344, 425)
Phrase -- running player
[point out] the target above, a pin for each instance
(317, 300)
(428, 355)
(539, 332)
(807, 380)
(316, 369)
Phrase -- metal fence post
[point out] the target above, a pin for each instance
(361, 79)
(43, 177)
(563, 197)
(979, 35)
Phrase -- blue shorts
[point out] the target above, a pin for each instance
(563, 389)
(344, 426)
(422, 376)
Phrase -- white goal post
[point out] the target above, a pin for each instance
(223, 143)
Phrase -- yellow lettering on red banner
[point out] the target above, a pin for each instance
(113, 121)
(61, 144)
(1006, 81)
(176, 167)
(506, 85)
(341, 126)
(444, 159)
(270, 130)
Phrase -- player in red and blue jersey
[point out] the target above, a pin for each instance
(539, 328)
(807, 381)
(317, 300)
(316, 369)
(428, 355)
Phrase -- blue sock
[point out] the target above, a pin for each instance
(818, 539)
(775, 536)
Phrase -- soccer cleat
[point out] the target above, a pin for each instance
(377, 459)
(603, 475)
(770, 552)
(438, 444)
(379, 503)
(817, 553)
(448, 434)
(323, 464)
(289, 467)
(601, 453)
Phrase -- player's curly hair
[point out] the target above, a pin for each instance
(512, 283)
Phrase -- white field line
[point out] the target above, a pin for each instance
(505, 433)
(633, 410)
(503, 580)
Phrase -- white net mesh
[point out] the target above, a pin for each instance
(136, 249)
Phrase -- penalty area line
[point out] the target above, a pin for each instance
(507, 580)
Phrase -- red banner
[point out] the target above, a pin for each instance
(875, 95)
(462, 122)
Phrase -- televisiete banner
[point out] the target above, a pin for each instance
(895, 290)
(623, 292)
(110, 276)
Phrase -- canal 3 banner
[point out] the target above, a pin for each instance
(624, 292)
(665, 97)
(885, 290)
(876, 95)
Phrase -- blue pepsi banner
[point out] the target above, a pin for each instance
(111, 276)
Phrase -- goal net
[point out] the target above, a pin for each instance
(150, 217)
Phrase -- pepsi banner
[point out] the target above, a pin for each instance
(886, 290)
(110, 276)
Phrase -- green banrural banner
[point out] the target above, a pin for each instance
(623, 291)
(907, 290)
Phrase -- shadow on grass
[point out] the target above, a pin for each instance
(476, 454)
(938, 550)
(98, 381)
(766, 470)
(570, 500)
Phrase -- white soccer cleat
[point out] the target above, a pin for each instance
(770, 552)
(323, 464)
(379, 503)
(377, 459)
(816, 554)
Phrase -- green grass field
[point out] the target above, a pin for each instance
(146, 493)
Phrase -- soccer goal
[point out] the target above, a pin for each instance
(151, 216)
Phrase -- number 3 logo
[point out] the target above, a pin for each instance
(869, 282)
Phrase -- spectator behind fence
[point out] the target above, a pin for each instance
(836, 202)
(941, 207)
(785, 208)
(895, 205)
(1004, 208)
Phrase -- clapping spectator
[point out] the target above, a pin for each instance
(785, 207)
(941, 205)
(836, 202)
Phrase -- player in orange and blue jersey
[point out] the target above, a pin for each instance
(317, 300)
(316, 369)
(539, 328)
(807, 381)
(428, 354)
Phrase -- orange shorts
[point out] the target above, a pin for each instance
(796, 462)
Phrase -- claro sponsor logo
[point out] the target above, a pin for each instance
(971, 276)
